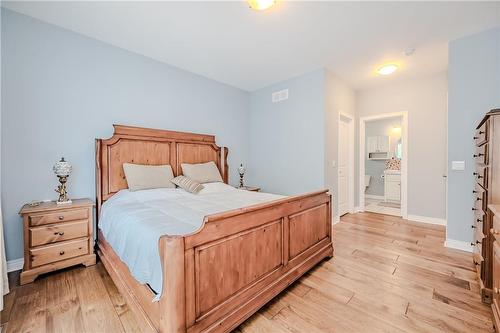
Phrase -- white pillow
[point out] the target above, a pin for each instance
(143, 177)
(202, 172)
(216, 188)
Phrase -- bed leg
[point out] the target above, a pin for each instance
(173, 301)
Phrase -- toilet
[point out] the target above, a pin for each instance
(367, 181)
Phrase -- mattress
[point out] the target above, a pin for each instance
(133, 222)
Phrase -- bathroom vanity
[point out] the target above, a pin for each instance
(392, 185)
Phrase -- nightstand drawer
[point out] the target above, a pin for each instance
(62, 216)
(56, 252)
(58, 232)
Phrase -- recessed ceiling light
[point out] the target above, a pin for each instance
(261, 4)
(387, 69)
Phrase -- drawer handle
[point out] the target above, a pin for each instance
(475, 263)
(473, 226)
(61, 253)
(474, 190)
(61, 218)
(478, 242)
(479, 220)
(479, 177)
(481, 132)
(476, 137)
(475, 174)
(474, 208)
(478, 155)
(479, 199)
(60, 233)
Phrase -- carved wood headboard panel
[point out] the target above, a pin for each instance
(152, 147)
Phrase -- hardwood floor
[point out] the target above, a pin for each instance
(387, 275)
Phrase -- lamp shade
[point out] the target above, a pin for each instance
(62, 168)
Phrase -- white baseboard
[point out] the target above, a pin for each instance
(373, 196)
(426, 219)
(458, 245)
(15, 265)
(357, 209)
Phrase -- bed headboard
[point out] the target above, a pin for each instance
(154, 147)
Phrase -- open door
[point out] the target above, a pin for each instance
(344, 165)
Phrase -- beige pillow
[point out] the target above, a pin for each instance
(202, 172)
(143, 177)
(187, 184)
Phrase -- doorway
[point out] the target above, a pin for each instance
(383, 164)
(345, 160)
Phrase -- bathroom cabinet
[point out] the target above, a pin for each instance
(378, 147)
(392, 186)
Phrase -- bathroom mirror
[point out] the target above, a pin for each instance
(398, 153)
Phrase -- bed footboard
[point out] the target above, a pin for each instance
(219, 276)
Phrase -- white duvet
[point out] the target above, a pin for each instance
(133, 222)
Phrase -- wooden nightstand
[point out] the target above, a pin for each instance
(57, 236)
(249, 188)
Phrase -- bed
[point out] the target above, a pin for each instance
(212, 279)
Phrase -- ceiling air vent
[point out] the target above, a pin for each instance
(280, 96)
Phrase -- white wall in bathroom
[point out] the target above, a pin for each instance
(375, 168)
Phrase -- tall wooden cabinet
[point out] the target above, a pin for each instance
(494, 216)
(486, 191)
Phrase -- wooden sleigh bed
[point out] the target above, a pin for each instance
(217, 277)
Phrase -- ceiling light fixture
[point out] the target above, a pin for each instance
(396, 129)
(261, 4)
(387, 69)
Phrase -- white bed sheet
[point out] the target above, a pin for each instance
(133, 222)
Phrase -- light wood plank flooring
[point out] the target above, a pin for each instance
(387, 275)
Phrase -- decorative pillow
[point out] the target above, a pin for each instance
(143, 177)
(187, 184)
(202, 173)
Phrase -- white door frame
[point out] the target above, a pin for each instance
(404, 159)
(350, 177)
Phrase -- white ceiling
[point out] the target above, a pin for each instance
(228, 42)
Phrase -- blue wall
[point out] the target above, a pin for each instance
(287, 139)
(60, 90)
(473, 89)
